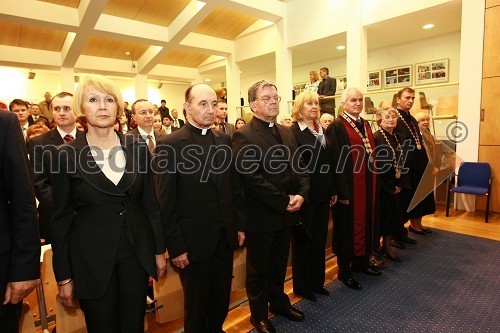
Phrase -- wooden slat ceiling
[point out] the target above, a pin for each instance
(30, 37)
(160, 12)
(224, 23)
(109, 48)
(67, 3)
(184, 58)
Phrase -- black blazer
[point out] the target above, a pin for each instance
(90, 213)
(40, 150)
(181, 122)
(191, 221)
(159, 136)
(316, 159)
(262, 191)
(18, 227)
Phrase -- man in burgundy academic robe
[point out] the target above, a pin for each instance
(351, 142)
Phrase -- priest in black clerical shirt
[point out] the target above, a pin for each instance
(193, 167)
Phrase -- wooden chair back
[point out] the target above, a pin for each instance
(26, 324)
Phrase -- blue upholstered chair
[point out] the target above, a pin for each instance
(472, 178)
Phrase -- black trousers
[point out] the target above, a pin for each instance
(10, 313)
(123, 307)
(267, 257)
(207, 288)
(348, 265)
(308, 255)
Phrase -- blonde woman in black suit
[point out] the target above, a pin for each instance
(106, 228)
(309, 250)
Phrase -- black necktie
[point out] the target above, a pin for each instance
(360, 126)
(222, 127)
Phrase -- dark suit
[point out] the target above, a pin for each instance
(230, 129)
(309, 254)
(164, 112)
(19, 239)
(199, 218)
(40, 149)
(327, 87)
(105, 236)
(265, 184)
(181, 122)
(159, 136)
(45, 120)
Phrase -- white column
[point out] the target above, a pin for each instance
(469, 90)
(283, 57)
(67, 79)
(357, 53)
(141, 86)
(233, 88)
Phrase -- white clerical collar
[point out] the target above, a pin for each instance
(203, 130)
(63, 133)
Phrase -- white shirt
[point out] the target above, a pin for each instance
(145, 134)
(63, 133)
(111, 161)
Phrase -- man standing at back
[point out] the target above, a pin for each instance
(143, 115)
(19, 240)
(163, 109)
(326, 88)
(271, 191)
(195, 194)
(45, 106)
(176, 122)
(221, 118)
(42, 149)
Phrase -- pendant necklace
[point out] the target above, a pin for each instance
(396, 166)
(364, 139)
(413, 134)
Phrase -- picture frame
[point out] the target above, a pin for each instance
(341, 84)
(374, 81)
(400, 76)
(435, 71)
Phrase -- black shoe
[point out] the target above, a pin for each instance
(393, 257)
(307, 295)
(289, 313)
(398, 244)
(322, 291)
(263, 326)
(426, 230)
(409, 240)
(350, 282)
(372, 271)
(419, 232)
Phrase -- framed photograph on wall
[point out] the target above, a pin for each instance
(397, 77)
(374, 80)
(341, 84)
(432, 71)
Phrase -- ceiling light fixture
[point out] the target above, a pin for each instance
(127, 53)
(208, 80)
(341, 47)
(428, 26)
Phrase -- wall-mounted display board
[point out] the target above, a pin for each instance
(397, 77)
(432, 71)
(374, 80)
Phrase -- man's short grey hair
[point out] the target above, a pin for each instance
(252, 91)
(346, 92)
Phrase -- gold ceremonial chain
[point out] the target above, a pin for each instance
(414, 135)
(396, 166)
(366, 141)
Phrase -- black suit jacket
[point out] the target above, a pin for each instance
(191, 220)
(327, 88)
(181, 123)
(91, 212)
(262, 191)
(316, 159)
(18, 227)
(40, 150)
(159, 136)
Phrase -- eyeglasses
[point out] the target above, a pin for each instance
(268, 99)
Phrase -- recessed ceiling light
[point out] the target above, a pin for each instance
(428, 26)
(341, 47)
(207, 80)
(127, 53)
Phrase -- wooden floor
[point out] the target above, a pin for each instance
(459, 221)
